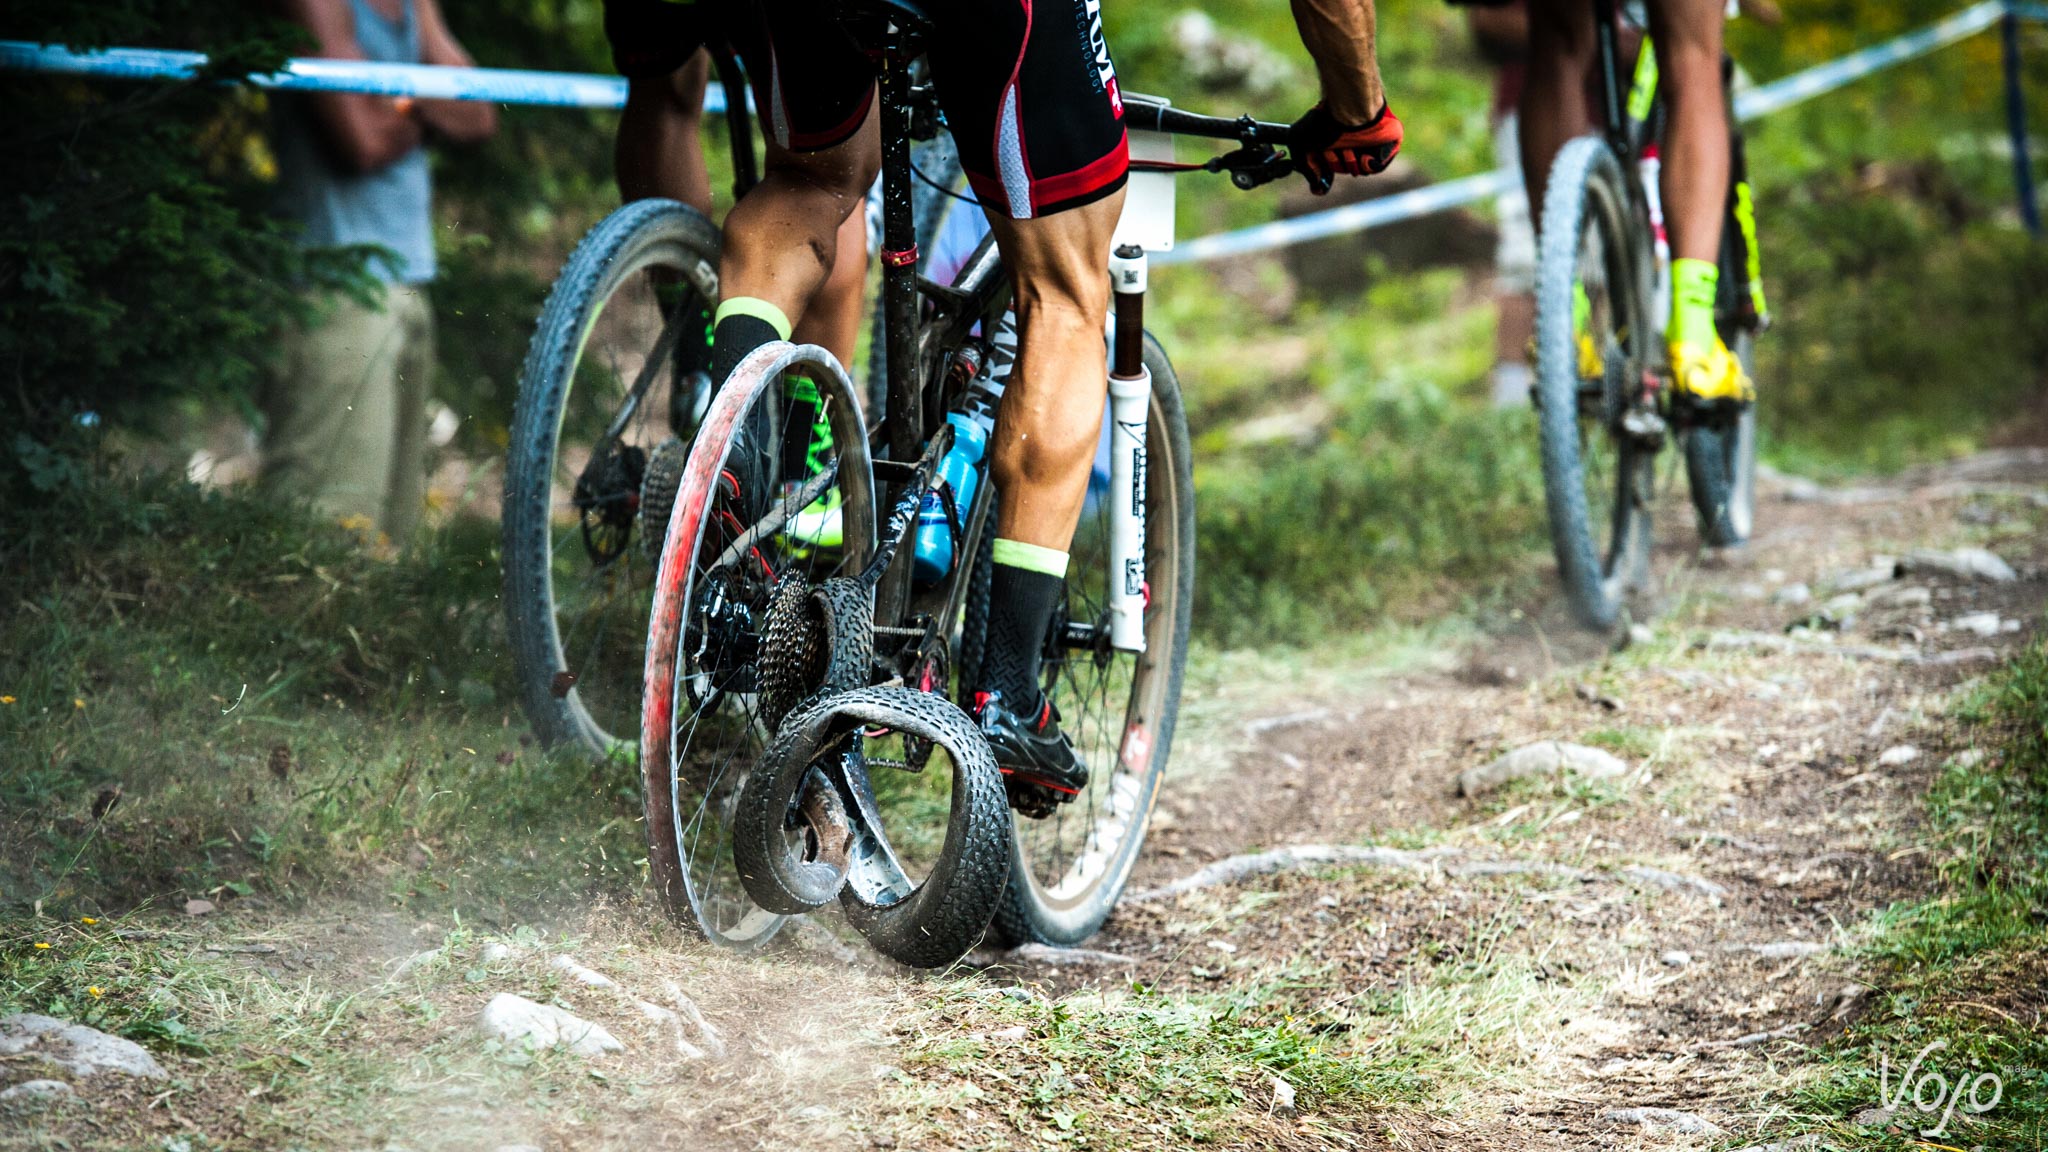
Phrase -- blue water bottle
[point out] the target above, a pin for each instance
(960, 474)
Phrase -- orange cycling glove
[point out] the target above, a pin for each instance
(1326, 148)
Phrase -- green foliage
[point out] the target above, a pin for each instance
(1904, 331)
(135, 261)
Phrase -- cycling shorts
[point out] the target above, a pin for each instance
(812, 86)
(1027, 86)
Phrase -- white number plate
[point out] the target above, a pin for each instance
(1148, 199)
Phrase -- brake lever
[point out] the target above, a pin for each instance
(1252, 165)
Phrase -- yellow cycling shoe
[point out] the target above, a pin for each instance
(1710, 376)
(1592, 366)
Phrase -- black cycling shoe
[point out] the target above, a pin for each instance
(1040, 768)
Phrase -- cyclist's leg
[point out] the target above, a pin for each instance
(816, 92)
(834, 317)
(1687, 34)
(659, 150)
(1695, 193)
(1032, 98)
(1051, 415)
(1554, 106)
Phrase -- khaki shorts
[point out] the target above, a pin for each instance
(346, 411)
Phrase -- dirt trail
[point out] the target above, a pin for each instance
(1669, 939)
(1775, 782)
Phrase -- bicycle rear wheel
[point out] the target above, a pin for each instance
(1068, 870)
(765, 503)
(588, 429)
(1720, 459)
(1598, 480)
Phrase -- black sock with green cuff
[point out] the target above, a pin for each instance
(743, 324)
(1028, 583)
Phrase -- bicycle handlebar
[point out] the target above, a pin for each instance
(1257, 159)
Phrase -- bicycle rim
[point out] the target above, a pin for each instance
(703, 728)
(1119, 708)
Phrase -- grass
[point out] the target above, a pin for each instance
(1965, 970)
(210, 696)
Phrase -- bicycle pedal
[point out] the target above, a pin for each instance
(1645, 427)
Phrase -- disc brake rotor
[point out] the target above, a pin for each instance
(607, 496)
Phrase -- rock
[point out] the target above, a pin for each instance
(1792, 594)
(1978, 623)
(1961, 563)
(34, 1094)
(1283, 1099)
(1856, 579)
(497, 952)
(84, 1052)
(1905, 596)
(576, 971)
(1794, 489)
(1969, 758)
(1659, 1120)
(1235, 868)
(1676, 882)
(415, 962)
(198, 907)
(517, 1020)
(1065, 957)
(1781, 950)
(1012, 1033)
(1267, 725)
(1543, 759)
(1676, 958)
(1898, 755)
(1874, 1117)
(1641, 634)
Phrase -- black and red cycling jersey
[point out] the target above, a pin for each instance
(1028, 86)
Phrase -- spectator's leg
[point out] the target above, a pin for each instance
(413, 386)
(1514, 266)
(329, 434)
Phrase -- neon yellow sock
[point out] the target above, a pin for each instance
(1694, 284)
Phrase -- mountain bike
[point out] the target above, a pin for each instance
(1605, 406)
(801, 743)
(611, 392)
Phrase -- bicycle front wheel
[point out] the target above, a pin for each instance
(1592, 336)
(595, 429)
(1119, 708)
